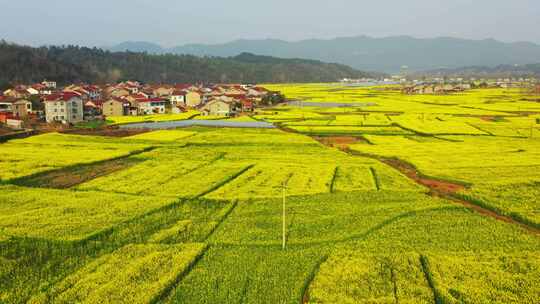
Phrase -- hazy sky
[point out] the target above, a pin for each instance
(169, 23)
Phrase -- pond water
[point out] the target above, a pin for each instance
(193, 122)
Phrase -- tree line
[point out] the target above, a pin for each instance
(69, 64)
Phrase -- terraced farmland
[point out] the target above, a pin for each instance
(417, 199)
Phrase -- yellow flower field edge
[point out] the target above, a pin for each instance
(483, 278)
(132, 274)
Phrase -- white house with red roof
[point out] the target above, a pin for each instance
(178, 97)
(152, 106)
(65, 107)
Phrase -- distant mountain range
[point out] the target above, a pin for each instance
(366, 53)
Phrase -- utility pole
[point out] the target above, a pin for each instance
(284, 220)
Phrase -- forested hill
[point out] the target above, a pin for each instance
(67, 64)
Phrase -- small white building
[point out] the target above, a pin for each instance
(49, 84)
(178, 98)
(66, 107)
(152, 106)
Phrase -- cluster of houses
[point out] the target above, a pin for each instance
(78, 102)
(455, 85)
(439, 89)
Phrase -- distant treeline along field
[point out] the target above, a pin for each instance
(68, 64)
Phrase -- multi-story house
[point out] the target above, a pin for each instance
(152, 106)
(66, 107)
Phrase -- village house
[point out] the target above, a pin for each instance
(178, 101)
(5, 105)
(152, 106)
(116, 107)
(66, 107)
(49, 84)
(119, 92)
(192, 99)
(438, 89)
(18, 108)
(218, 107)
(42, 89)
(435, 89)
(178, 97)
(162, 91)
(132, 86)
(94, 92)
(17, 92)
(92, 108)
(256, 93)
(230, 90)
(22, 108)
(247, 105)
(32, 91)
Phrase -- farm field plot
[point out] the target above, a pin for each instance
(268, 180)
(485, 278)
(19, 158)
(133, 274)
(501, 171)
(200, 214)
(435, 126)
(376, 224)
(202, 164)
(47, 262)
(163, 135)
(246, 137)
(261, 274)
(354, 278)
(525, 127)
(150, 177)
(371, 119)
(65, 214)
(325, 130)
(364, 219)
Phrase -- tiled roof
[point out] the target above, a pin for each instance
(65, 96)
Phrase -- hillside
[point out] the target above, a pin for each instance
(376, 54)
(71, 64)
